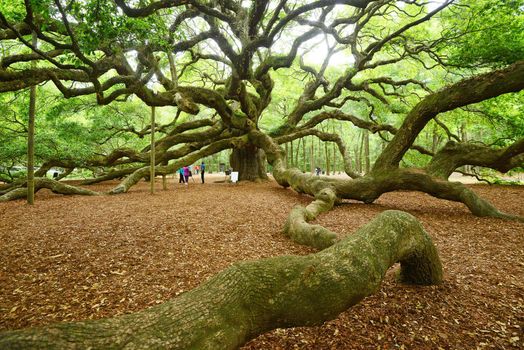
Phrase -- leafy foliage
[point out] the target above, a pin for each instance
(488, 33)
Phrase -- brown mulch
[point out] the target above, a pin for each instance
(72, 258)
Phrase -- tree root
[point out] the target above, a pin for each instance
(251, 298)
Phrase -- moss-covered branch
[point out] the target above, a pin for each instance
(251, 298)
(298, 229)
(55, 186)
(454, 155)
(115, 174)
(463, 93)
(370, 187)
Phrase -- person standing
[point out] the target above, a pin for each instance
(202, 171)
(181, 176)
(186, 174)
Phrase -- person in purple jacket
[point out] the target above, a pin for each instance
(186, 174)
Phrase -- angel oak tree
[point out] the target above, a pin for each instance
(217, 60)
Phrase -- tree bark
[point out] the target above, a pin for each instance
(304, 158)
(297, 153)
(287, 155)
(435, 140)
(334, 157)
(250, 163)
(298, 229)
(251, 298)
(360, 154)
(291, 155)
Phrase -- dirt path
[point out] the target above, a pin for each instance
(70, 258)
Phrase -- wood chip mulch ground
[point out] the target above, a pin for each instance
(72, 258)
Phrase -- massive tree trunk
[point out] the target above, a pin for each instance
(250, 163)
(251, 298)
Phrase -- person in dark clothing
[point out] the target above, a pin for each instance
(202, 171)
(181, 173)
